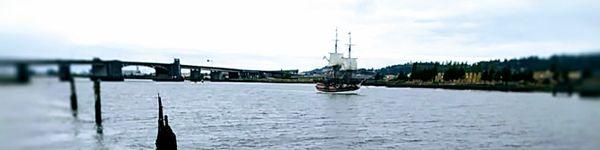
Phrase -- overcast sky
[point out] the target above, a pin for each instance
(282, 34)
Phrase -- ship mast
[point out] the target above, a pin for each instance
(349, 44)
(336, 39)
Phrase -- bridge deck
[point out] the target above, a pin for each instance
(125, 63)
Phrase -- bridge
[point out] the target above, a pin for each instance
(111, 70)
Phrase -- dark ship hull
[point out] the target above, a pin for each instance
(342, 83)
(336, 87)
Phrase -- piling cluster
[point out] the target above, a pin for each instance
(165, 139)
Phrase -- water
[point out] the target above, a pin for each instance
(293, 116)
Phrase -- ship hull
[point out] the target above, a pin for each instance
(336, 87)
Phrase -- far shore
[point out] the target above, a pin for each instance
(512, 87)
(490, 86)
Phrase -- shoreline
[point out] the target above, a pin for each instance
(461, 86)
(297, 81)
(509, 87)
(503, 87)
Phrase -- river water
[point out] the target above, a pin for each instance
(293, 116)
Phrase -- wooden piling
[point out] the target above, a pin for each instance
(97, 104)
(165, 138)
(73, 96)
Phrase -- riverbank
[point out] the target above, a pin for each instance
(582, 90)
(513, 87)
(271, 80)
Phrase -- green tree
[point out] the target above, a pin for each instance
(402, 76)
(489, 75)
(378, 76)
(454, 73)
(506, 74)
(586, 73)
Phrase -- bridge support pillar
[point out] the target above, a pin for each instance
(216, 76)
(107, 70)
(233, 75)
(64, 72)
(171, 72)
(196, 75)
(175, 70)
(23, 75)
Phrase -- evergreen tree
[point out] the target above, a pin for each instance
(454, 73)
(506, 74)
(378, 76)
(402, 76)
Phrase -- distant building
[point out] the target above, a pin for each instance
(365, 76)
(279, 73)
(135, 72)
(574, 75)
(439, 77)
(390, 77)
(472, 77)
(541, 76)
(132, 73)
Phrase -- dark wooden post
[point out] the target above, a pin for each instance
(64, 74)
(97, 104)
(165, 138)
(73, 96)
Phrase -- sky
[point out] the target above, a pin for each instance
(296, 34)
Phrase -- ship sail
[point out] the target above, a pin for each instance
(336, 59)
(349, 64)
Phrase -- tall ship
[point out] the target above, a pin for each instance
(340, 71)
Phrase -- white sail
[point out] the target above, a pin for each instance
(336, 59)
(349, 64)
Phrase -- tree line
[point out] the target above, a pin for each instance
(513, 70)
